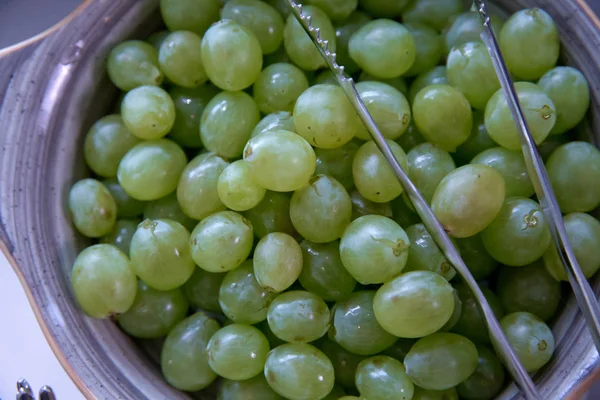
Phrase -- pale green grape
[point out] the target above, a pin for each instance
(202, 290)
(236, 188)
(255, 388)
(127, 206)
(121, 234)
(134, 63)
(280, 160)
(441, 361)
(281, 120)
(223, 39)
(511, 165)
(434, 76)
(411, 138)
(429, 47)
(383, 48)
(278, 87)
(428, 165)
(277, 261)
(168, 208)
(476, 257)
(335, 9)
(468, 199)
(189, 15)
(398, 83)
(93, 209)
(487, 380)
(181, 60)
(343, 31)
(424, 394)
(160, 254)
(479, 140)
(471, 323)
(467, 27)
(148, 112)
(383, 378)
(272, 214)
(107, 141)
(435, 13)
(156, 38)
(102, 281)
(344, 362)
(374, 249)
(424, 255)
(384, 8)
(530, 338)
(362, 206)
(337, 163)
(325, 77)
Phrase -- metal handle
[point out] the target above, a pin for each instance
(24, 392)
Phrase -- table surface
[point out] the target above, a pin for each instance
(24, 352)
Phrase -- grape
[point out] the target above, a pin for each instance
(223, 39)
(151, 169)
(237, 352)
(242, 298)
(260, 18)
(441, 361)
(468, 199)
(106, 143)
(337, 163)
(372, 48)
(280, 160)
(372, 174)
(221, 241)
(344, 362)
(530, 338)
(355, 327)
(384, 8)
(574, 170)
(538, 108)
(121, 234)
(133, 63)
(487, 380)
(456, 313)
(102, 281)
(236, 188)
(471, 323)
(299, 45)
(335, 9)
(255, 388)
(424, 255)
(434, 76)
(414, 304)
(343, 32)
(362, 206)
(299, 371)
(374, 249)
(428, 165)
(272, 214)
(189, 15)
(160, 254)
(183, 359)
(570, 93)
(168, 208)
(435, 13)
(529, 43)
(479, 140)
(126, 205)
(511, 165)
(278, 87)
(92, 207)
(411, 138)
(157, 38)
(281, 120)
(153, 313)
(202, 290)
(424, 394)
(298, 317)
(443, 116)
(383, 378)
(321, 211)
(148, 112)
(428, 46)
(277, 261)
(325, 77)
(197, 189)
(476, 257)
(467, 27)
(180, 59)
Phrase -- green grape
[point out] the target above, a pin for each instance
(107, 141)
(299, 371)
(237, 352)
(321, 210)
(476, 257)
(157, 38)
(530, 338)
(189, 15)
(511, 165)
(362, 206)
(242, 298)
(121, 234)
(271, 215)
(227, 123)
(468, 199)
(428, 165)
(435, 13)
(337, 163)
(456, 313)
(411, 138)
(197, 189)
(335, 9)
(355, 327)
(373, 176)
(168, 208)
(519, 234)
(278, 87)
(126, 205)
(202, 290)
(183, 358)
(538, 108)
(343, 32)
(236, 188)
(370, 48)
(467, 27)
(281, 6)
(255, 388)
(398, 83)
(324, 116)
(218, 44)
(583, 232)
(148, 112)
(441, 361)
(160, 254)
(298, 317)
(277, 261)
(470, 70)
(429, 47)
(344, 362)
(434, 76)
(280, 161)
(388, 107)
(260, 18)
(181, 60)
(276, 121)
(487, 380)
(570, 93)
(574, 170)
(403, 212)
(325, 77)
(374, 249)
(153, 313)
(471, 323)
(478, 141)
(134, 63)
(424, 394)
(424, 255)
(93, 209)
(530, 44)
(299, 45)
(383, 378)
(102, 281)
(414, 304)
(384, 8)
(151, 169)
(443, 116)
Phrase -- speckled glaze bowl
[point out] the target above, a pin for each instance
(54, 86)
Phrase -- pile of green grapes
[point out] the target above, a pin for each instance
(245, 218)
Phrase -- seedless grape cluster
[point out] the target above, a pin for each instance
(245, 219)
